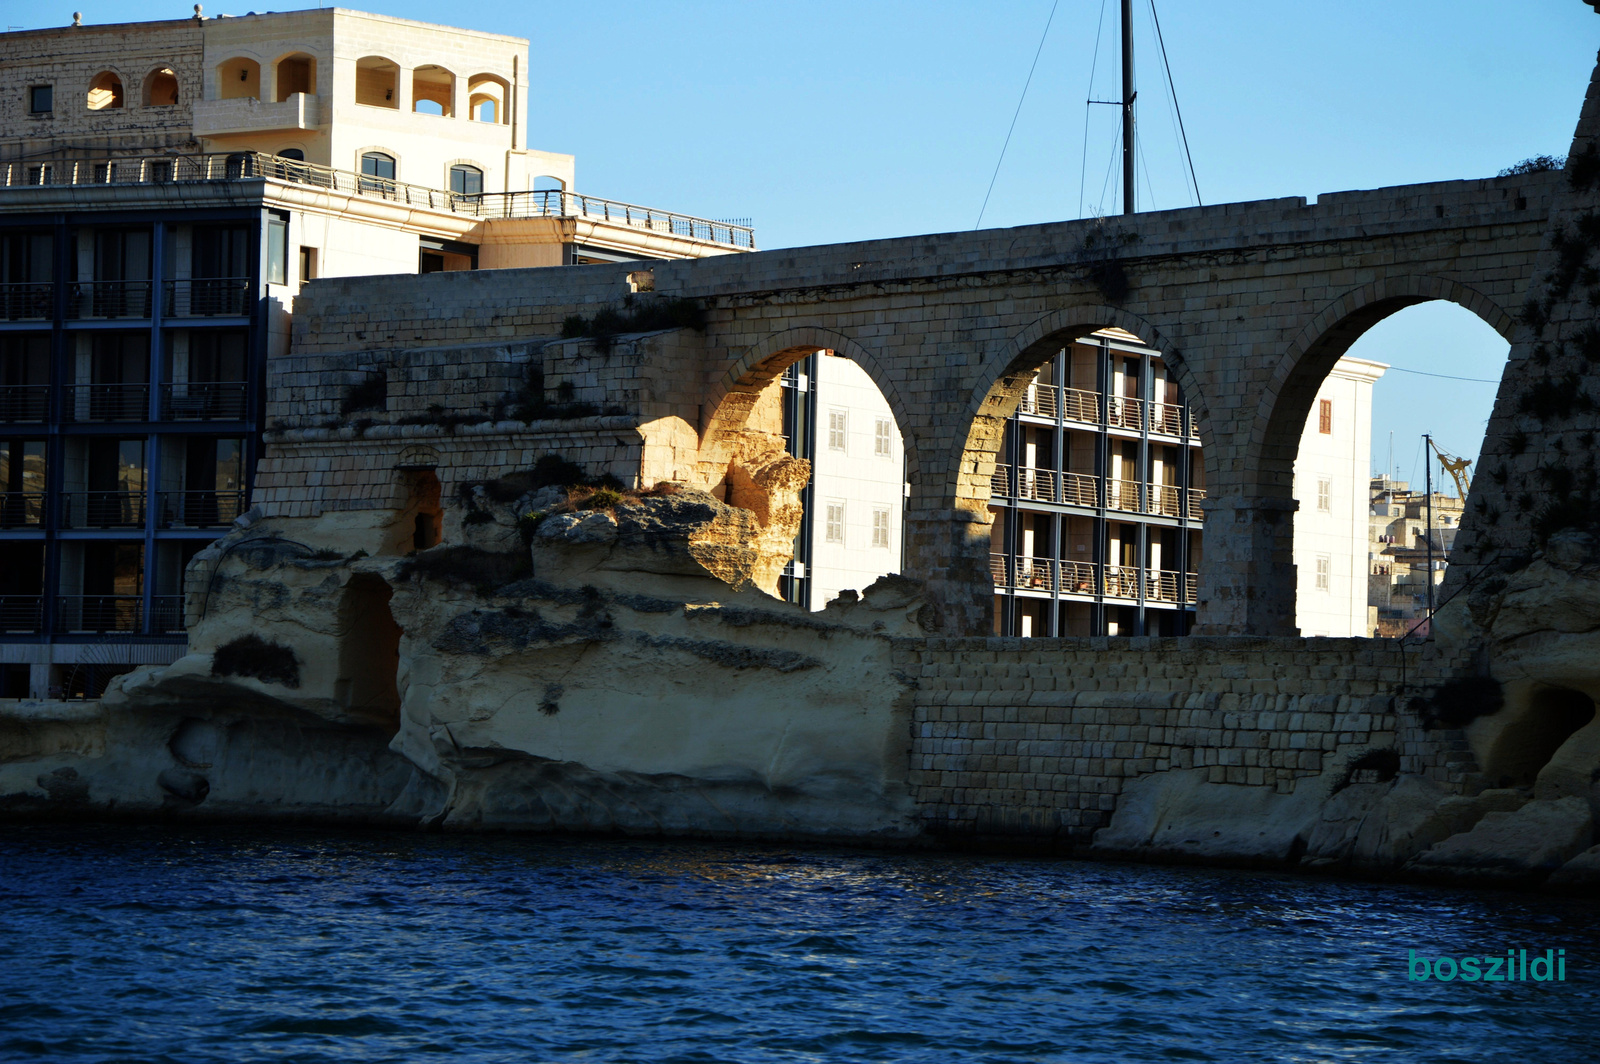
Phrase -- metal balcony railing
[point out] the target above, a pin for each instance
(199, 509)
(102, 509)
(21, 508)
(1051, 576)
(1167, 419)
(1079, 405)
(21, 613)
(106, 402)
(1038, 400)
(1123, 495)
(240, 166)
(1195, 495)
(206, 297)
(27, 300)
(204, 400)
(24, 402)
(110, 299)
(166, 614)
(99, 613)
(1125, 413)
(1081, 489)
(1166, 500)
(1122, 581)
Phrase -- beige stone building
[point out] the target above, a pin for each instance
(1401, 525)
(166, 188)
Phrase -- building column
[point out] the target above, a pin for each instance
(1248, 580)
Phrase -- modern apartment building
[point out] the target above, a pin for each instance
(165, 188)
(1331, 475)
(1096, 498)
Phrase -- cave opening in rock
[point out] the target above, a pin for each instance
(369, 651)
(1554, 715)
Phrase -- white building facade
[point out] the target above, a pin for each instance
(1332, 474)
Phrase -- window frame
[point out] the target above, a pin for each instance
(1325, 417)
(33, 91)
(833, 521)
(464, 169)
(838, 430)
(881, 526)
(1324, 572)
(882, 438)
(1324, 495)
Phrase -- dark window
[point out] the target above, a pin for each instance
(1325, 417)
(41, 99)
(278, 249)
(220, 251)
(293, 153)
(466, 180)
(377, 164)
(308, 264)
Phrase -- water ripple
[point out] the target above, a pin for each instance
(222, 944)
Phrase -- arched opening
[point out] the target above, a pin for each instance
(839, 529)
(546, 183)
(105, 92)
(369, 652)
(1085, 458)
(1370, 537)
(239, 78)
(433, 91)
(1529, 743)
(486, 98)
(378, 82)
(466, 180)
(422, 521)
(295, 73)
(161, 88)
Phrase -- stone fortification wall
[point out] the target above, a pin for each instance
(1041, 737)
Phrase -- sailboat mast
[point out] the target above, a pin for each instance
(1127, 107)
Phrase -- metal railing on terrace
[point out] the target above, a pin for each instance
(26, 300)
(24, 402)
(238, 166)
(105, 402)
(21, 613)
(199, 509)
(1052, 576)
(203, 400)
(19, 509)
(102, 509)
(1083, 407)
(207, 297)
(1081, 489)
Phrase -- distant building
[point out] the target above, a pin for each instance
(165, 189)
(1331, 473)
(1400, 530)
(852, 533)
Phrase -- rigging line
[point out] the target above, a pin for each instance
(1444, 376)
(1172, 123)
(1025, 84)
(1138, 146)
(1116, 142)
(1094, 64)
(1174, 90)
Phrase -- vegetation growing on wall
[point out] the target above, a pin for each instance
(636, 315)
(370, 393)
(250, 655)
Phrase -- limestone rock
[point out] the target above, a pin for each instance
(1178, 815)
(1580, 873)
(1524, 845)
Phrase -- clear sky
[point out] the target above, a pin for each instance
(831, 120)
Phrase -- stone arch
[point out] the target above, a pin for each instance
(294, 72)
(1286, 402)
(239, 77)
(728, 403)
(105, 92)
(161, 87)
(1004, 375)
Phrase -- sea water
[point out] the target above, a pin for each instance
(233, 943)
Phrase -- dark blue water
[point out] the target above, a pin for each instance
(223, 944)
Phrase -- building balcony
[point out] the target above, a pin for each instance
(204, 400)
(214, 118)
(199, 509)
(105, 402)
(1049, 576)
(102, 509)
(110, 300)
(1083, 407)
(27, 301)
(24, 403)
(208, 297)
(122, 614)
(1027, 484)
(21, 614)
(21, 509)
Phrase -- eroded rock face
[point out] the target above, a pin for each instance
(1521, 846)
(622, 672)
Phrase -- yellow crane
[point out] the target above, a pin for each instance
(1456, 467)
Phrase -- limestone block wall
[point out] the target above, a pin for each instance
(1041, 736)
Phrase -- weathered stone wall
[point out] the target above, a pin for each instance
(1040, 736)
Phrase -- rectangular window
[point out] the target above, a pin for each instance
(278, 249)
(880, 528)
(837, 425)
(1324, 571)
(1325, 496)
(308, 264)
(1325, 417)
(880, 439)
(41, 99)
(835, 528)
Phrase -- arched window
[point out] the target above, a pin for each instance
(466, 180)
(161, 88)
(486, 95)
(105, 92)
(239, 78)
(433, 90)
(296, 73)
(293, 153)
(378, 82)
(377, 173)
(546, 183)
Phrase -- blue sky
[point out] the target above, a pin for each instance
(830, 120)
